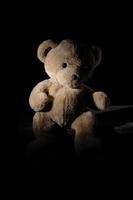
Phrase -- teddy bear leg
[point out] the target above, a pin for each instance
(84, 129)
(42, 124)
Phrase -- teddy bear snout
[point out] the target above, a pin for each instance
(76, 77)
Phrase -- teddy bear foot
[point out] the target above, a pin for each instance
(42, 124)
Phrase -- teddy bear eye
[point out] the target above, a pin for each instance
(64, 65)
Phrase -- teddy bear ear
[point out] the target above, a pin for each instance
(44, 48)
(97, 52)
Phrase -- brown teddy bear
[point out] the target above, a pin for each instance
(63, 98)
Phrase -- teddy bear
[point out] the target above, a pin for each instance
(63, 99)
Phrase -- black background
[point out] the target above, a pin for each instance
(25, 26)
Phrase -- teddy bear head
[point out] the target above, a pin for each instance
(69, 63)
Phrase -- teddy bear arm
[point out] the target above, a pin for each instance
(98, 98)
(101, 100)
(39, 99)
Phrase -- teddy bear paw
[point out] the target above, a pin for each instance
(101, 100)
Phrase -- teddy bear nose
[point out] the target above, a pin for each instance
(75, 77)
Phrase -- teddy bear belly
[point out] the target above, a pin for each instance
(65, 109)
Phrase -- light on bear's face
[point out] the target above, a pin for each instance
(69, 65)
(68, 78)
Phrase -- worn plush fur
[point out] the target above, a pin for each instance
(63, 98)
